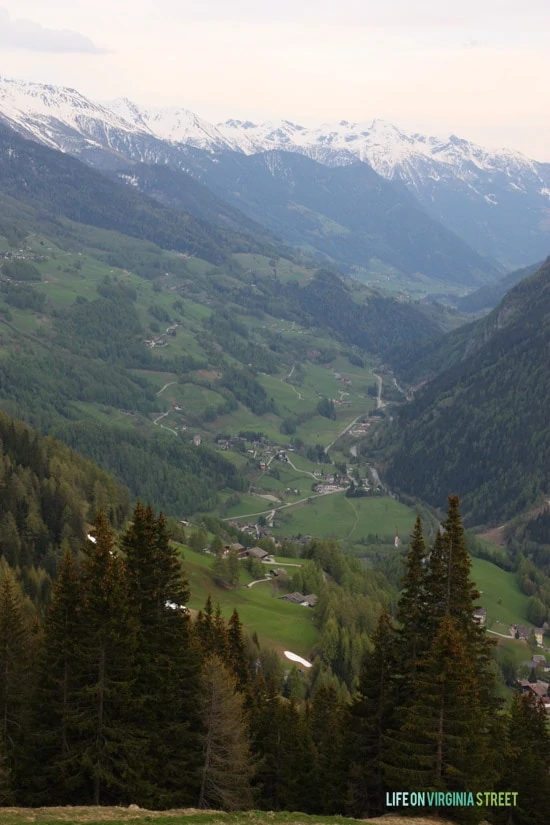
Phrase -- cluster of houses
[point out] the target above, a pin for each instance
(338, 377)
(248, 552)
(519, 631)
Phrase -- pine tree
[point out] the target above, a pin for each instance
(205, 627)
(169, 663)
(15, 646)
(227, 762)
(106, 747)
(411, 613)
(326, 720)
(55, 693)
(237, 652)
(368, 721)
(442, 741)
(527, 769)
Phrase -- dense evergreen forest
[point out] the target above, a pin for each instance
(49, 496)
(120, 697)
(482, 425)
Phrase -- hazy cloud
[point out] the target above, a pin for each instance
(24, 34)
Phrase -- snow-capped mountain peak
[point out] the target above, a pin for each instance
(173, 124)
(477, 192)
(39, 110)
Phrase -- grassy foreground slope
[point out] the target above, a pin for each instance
(115, 816)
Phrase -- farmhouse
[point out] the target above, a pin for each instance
(539, 635)
(255, 553)
(520, 631)
(480, 615)
(238, 548)
(299, 598)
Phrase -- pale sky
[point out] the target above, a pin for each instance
(476, 68)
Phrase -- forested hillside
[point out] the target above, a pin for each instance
(50, 496)
(58, 186)
(488, 296)
(482, 426)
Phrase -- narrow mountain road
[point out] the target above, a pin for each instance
(286, 379)
(259, 581)
(282, 507)
(157, 420)
(344, 431)
(298, 470)
(169, 384)
(379, 402)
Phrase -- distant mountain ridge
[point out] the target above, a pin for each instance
(498, 202)
(346, 213)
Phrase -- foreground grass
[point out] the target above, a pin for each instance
(117, 816)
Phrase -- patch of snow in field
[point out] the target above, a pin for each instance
(295, 658)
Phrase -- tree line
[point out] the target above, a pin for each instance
(120, 697)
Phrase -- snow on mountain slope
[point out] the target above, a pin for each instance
(172, 124)
(498, 201)
(55, 115)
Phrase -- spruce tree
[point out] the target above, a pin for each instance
(411, 613)
(326, 721)
(56, 692)
(442, 741)
(368, 721)
(15, 646)
(527, 765)
(106, 746)
(237, 652)
(168, 682)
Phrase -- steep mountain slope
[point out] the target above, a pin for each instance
(349, 214)
(66, 187)
(482, 427)
(488, 296)
(179, 191)
(356, 218)
(498, 201)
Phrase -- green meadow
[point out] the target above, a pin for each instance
(278, 623)
(500, 596)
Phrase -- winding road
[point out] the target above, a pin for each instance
(283, 506)
(161, 416)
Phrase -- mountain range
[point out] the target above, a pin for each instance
(497, 202)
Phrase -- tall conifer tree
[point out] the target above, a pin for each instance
(106, 748)
(169, 663)
(14, 676)
(369, 718)
(56, 692)
(527, 770)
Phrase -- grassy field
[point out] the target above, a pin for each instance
(501, 596)
(278, 623)
(190, 816)
(346, 518)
